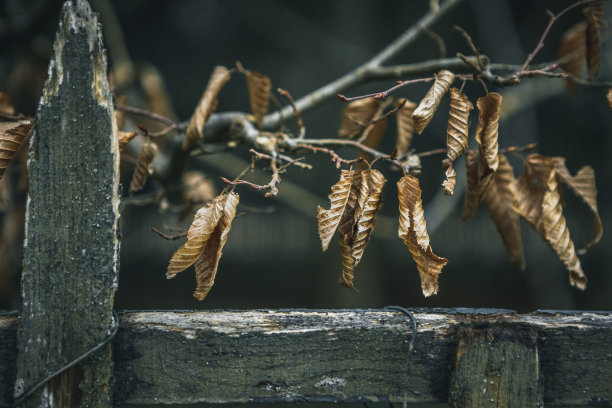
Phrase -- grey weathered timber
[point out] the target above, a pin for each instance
(496, 366)
(71, 245)
(335, 355)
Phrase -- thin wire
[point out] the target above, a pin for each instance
(410, 347)
(82, 357)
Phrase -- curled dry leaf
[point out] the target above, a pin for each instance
(448, 186)
(367, 214)
(429, 104)
(12, 135)
(124, 138)
(475, 185)
(198, 189)
(538, 200)
(259, 87)
(486, 132)
(572, 52)
(356, 116)
(593, 15)
(120, 115)
(208, 262)
(328, 220)
(458, 124)
(583, 185)
(609, 97)
(413, 231)
(206, 106)
(6, 106)
(348, 264)
(405, 126)
(143, 166)
(498, 198)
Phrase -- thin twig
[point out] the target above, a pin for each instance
(338, 161)
(384, 94)
(470, 43)
(553, 19)
(169, 237)
(151, 115)
(296, 112)
(439, 40)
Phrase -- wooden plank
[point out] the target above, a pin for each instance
(71, 245)
(496, 366)
(335, 355)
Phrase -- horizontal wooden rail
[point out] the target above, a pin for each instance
(170, 357)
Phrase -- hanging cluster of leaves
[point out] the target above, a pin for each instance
(580, 45)
(205, 240)
(354, 204)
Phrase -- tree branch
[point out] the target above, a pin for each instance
(362, 72)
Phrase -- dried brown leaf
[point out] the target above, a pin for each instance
(6, 106)
(259, 87)
(448, 186)
(572, 51)
(373, 133)
(486, 132)
(12, 135)
(413, 231)
(124, 138)
(356, 200)
(207, 263)
(498, 198)
(367, 214)
(206, 106)
(609, 97)
(198, 189)
(202, 227)
(583, 185)
(429, 104)
(328, 220)
(538, 200)
(143, 166)
(356, 116)
(120, 115)
(348, 264)
(593, 15)
(458, 124)
(405, 127)
(475, 185)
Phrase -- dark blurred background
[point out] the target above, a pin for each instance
(273, 256)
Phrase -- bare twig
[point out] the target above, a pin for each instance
(439, 40)
(296, 112)
(169, 237)
(553, 19)
(470, 43)
(384, 94)
(338, 161)
(147, 114)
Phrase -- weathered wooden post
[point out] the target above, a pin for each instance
(71, 246)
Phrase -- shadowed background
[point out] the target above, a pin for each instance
(273, 256)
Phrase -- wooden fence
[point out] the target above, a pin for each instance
(465, 357)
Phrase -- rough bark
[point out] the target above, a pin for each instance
(71, 245)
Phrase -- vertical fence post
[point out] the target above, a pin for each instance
(71, 245)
